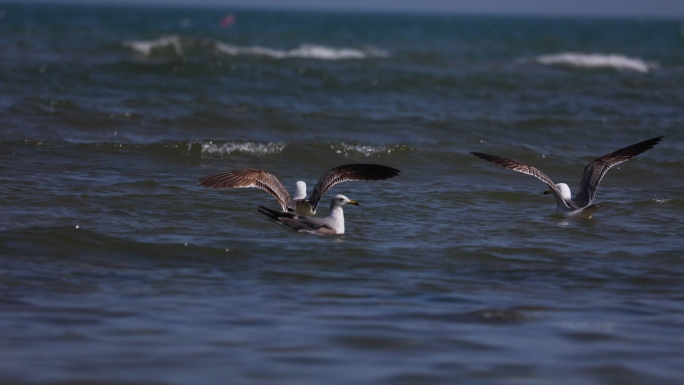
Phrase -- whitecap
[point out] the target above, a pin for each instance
(306, 51)
(146, 47)
(596, 61)
(365, 149)
(252, 148)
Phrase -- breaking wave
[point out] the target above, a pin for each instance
(180, 46)
(147, 47)
(307, 51)
(365, 149)
(596, 61)
(251, 148)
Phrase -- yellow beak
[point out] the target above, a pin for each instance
(353, 202)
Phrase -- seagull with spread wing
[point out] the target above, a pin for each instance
(298, 203)
(581, 205)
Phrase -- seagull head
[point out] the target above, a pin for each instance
(564, 190)
(300, 190)
(341, 200)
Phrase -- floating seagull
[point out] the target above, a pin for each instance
(332, 224)
(250, 177)
(581, 205)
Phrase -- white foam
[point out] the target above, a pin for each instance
(364, 149)
(252, 148)
(597, 61)
(145, 47)
(307, 51)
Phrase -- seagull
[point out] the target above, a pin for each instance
(298, 203)
(581, 205)
(330, 225)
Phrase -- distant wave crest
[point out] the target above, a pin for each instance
(179, 46)
(596, 61)
(365, 149)
(252, 148)
(146, 47)
(307, 51)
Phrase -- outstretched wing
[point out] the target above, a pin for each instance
(529, 170)
(595, 170)
(249, 177)
(349, 172)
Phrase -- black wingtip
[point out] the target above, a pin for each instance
(649, 143)
(638, 148)
(268, 212)
(486, 157)
(370, 170)
(655, 140)
(380, 172)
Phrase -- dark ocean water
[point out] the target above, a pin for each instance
(116, 268)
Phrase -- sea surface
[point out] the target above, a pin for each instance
(117, 268)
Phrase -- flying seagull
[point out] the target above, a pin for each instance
(298, 203)
(332, 224)
(581, 205)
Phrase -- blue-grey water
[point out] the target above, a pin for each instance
(116, 268)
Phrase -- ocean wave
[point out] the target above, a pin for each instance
(365, 149)
(596, 61)
(306, 51)
(210, 148)
(146, 47)
(177, 45)
(252, 148)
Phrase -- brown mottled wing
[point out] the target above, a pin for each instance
(595, 170)
(529, 170)
(349, 172)
(249, 177)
